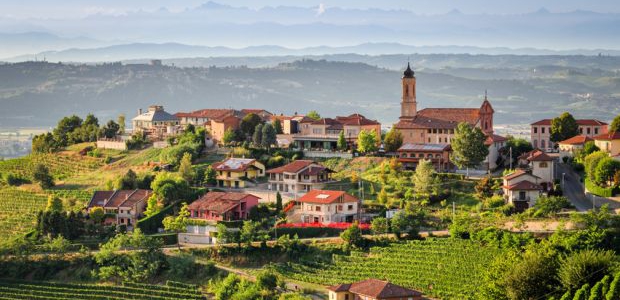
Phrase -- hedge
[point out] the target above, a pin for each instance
(597, 190)
(444, 176)
(171, 238)
(152, 223)
(310, 232)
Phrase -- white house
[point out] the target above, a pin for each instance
(521, 189)
(541, 165)
(322, 206)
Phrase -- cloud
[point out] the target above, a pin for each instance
(321, 9)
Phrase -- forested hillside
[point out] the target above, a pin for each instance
(38, 93)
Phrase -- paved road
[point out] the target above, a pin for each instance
(573, 189)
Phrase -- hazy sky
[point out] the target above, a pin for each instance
(80, 8)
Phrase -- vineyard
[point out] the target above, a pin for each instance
(10, 289)
(61, 166)
(443, 268)
(18, 208)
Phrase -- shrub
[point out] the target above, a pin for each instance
(584, 267)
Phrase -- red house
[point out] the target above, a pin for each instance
(220, 206)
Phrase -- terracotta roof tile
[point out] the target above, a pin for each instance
(326, 197)
(518, 173)
(582, 122)
(524, 185)
(458, 115)
(577, 140)
(377, 289)
(292, 167)
(219, 202)
(234, 164)
(614, 135)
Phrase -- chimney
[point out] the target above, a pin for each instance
(139, 111)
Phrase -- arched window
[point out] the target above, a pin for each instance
(535, 144)
(542, 144)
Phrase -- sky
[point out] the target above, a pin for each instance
(80, 8)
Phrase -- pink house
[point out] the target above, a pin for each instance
(220, 206)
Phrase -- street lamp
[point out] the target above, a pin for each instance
(563, 180)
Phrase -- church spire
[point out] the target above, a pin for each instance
(408, 72)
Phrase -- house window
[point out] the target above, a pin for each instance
(434, 130)
(535, 144)
(580, 130)
(317, 208)
(350, 207)
(542, 129)
(542, 144)
(535, 129)
(543, 165)
(339, 207)
(588, 130)
(429, 140)
(429, 130)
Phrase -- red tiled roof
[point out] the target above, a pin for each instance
(518, 173)
(582, 122)
(457, 115)
(524, 185)
(219, 202)
(536, 155)
(577, 140)
(292, 167)
(315, 170)
(614, 135)
(206, 113)
(124, 198)
(357, 120)
(326, 197)
(377, 289)
(99, 197)
(425, 122)
(234, 164)
(254, 111)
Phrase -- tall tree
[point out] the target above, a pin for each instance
(65, 126)
(248, 124)
(257, 136)
(468, 149)
(341, 144)
(178, 223)
(393, 140)
(230, 136)
(424, 179)
(185, 168)
(313, 114)
(563, 127)
(278, 202)
(518, 146)
(367, 141)
(121, 123)
(110, 129)
(277, 125)
(91, 120)
(129, 181)
(269, 137)
(615, 124)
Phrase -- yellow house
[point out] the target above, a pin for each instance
(609, 142)
(233, 172)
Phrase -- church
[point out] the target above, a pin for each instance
(436, 126)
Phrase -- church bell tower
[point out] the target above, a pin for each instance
(408, 105)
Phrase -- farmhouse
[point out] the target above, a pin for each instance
(221, 206)
(521, 189)
(322, 206)
(299, 176)
(125, 207)
(372, 289)
(234, 172)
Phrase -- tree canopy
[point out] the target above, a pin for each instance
(615, 124)
(393, 140)
(468, 149)
(367, 141)
(313, 114)
(248, 124)
(563, 127)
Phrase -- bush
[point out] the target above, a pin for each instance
(182, 266)
(597, 190)
(585, 267)
(15, 179)
(152, 223)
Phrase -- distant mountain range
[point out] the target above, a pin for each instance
(374, 31)
(142, 51)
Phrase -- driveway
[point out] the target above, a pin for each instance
(573, 189)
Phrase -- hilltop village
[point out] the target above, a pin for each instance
(251, 204)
